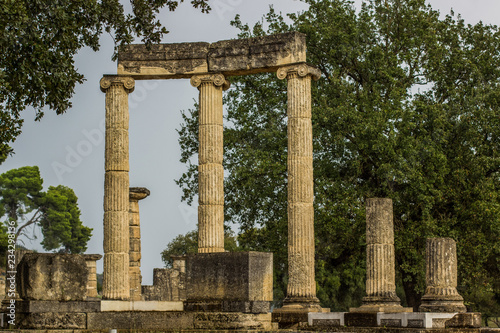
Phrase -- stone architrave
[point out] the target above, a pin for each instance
(135, 277)
(210, 170)
(380, 272)
(441, 294)
(116, 188)
(301, 289)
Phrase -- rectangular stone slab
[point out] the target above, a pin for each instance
(229, 276)
(229, 57)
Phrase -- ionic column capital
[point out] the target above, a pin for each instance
(215, 79)
(301, 70)
(127, 82)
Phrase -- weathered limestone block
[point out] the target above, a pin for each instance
(52, 277)
(240, 281)
(51, 321)
(258, 54)
(116, 187)
(9, 282)
(441, 294)
(233, 321)
(179, 60)
(229, 57)
(168, 283)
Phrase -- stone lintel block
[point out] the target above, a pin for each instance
(52, 277)
(58, 306)
(179, 60)
(226, 276)
(258, 54)
(229, 57)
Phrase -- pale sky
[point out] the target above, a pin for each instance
(69, 149)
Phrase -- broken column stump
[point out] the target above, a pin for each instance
(441, 293)
(380, 272)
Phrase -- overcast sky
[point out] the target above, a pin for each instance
(69, 149)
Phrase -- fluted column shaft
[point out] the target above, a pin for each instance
(135, 277)
(116, 185)
(380, 272)
(210, 169)
(441, 294)
(301, 286)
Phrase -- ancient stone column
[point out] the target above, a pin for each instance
(135, 277)
(380, 272)
(301, 289)
(116, 188)
(210, 170)
(90, 260)
(441, 294)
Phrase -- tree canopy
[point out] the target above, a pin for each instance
(56, 211)
(41, 38)
(407, 108)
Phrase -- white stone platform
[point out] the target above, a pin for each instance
(141, 306)
(401, 319)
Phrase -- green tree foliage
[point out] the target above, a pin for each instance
(60, 221)
(41, 37)
(188, 244)
(407, 108)
(56, 211)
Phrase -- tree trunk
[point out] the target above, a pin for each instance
(412, 297)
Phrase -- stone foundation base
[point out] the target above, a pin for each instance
(121, 315)
(436, 304)
(424, 320)
(295, 315)
(228, 306)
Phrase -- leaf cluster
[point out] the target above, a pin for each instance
(40, 39)
(56, 211)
